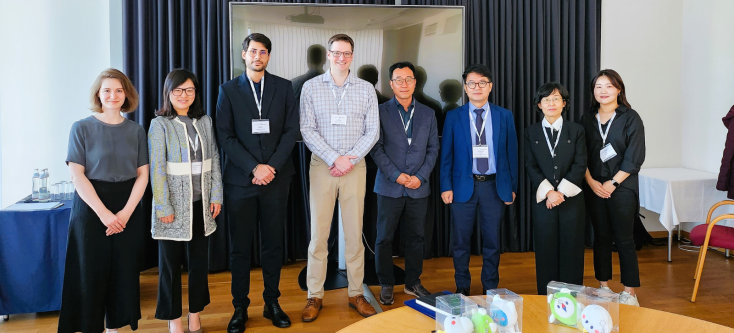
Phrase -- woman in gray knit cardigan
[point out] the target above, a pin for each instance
(187, 196)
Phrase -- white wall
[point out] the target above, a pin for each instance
(708, 81)
(641, 40)
(51, 53)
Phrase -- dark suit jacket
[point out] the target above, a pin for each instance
(456, 153)
(392, 153)
(236, 109)
(570, 160)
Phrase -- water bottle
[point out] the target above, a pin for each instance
(36, 184)
(43, 194)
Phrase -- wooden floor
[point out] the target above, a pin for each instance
(666, 287)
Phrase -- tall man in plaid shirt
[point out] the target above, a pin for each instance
(340, 124)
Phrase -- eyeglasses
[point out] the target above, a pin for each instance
(408, 80)
(254, 52)
(338, 54)
(179, 91)
(548, 100)
(472, 84)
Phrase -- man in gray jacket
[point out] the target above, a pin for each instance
(405, 155)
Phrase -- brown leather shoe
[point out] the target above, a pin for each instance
(362, 306)
(311, 311)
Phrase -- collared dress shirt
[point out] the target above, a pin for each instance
(320, 99)
(487, 116)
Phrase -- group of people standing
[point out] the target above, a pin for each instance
(258, 120)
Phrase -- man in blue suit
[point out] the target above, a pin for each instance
(405, 155)
(478, 175)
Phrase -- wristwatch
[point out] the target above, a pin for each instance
(253, 170)
(615, 183)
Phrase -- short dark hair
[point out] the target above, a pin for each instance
(174, 79)
(477, 69)
(616, 81)
(131, 95)
(402, 64)
(341, 38)
(547, 89)
(256, 37)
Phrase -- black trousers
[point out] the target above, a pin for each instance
(558, 235)
(389, 212)
(249, 209)
(170, 256)
(102, 273)
(613, 221)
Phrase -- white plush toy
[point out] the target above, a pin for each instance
(504, 314)
(596, 319)
(457, 324)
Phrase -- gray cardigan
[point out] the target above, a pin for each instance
(170, 174)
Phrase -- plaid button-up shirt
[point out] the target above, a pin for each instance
(320, 99)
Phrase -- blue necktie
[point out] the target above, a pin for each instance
(482, 163)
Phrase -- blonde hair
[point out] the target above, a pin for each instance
(131, 95)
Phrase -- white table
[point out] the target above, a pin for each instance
(680, 195)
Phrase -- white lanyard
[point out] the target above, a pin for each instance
(339, 101)
(259, 103)
(609, 125)
(406, 125)
(195, 144)
(476, 130)
(547, 140)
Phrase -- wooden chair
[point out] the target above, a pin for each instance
(713, 235)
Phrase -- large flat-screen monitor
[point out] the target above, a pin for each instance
(430, 37)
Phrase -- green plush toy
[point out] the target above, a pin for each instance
(564, 307)
(483, 323)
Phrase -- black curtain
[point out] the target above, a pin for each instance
(527, 43)
(524, 42)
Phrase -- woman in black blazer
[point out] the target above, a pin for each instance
(555, 159)
(615, 136)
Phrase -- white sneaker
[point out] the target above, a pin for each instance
(607, 289)
(627, 298)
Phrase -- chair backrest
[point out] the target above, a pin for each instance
(717, 205)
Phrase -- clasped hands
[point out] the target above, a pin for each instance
(263, 174)
(602, 190)
(411, 182)
(553, 199)
(342, 166)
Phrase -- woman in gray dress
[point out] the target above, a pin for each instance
(187, 196)
(108, 160)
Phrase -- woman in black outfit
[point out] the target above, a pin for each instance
(555, 160)
(108, 160)
(615, 137)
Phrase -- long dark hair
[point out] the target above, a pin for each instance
(174, 79)
(616, 81)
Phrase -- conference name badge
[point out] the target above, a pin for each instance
(260, 126)
(480, 151)
(196, 168)
(607, 152)
(338, 119)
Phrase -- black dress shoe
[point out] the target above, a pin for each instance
(276, 314)
(464, 291)
(237, 323)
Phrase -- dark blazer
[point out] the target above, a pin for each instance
(236, 109)
(570, 160)
(727, 169)
(456, 153)
(627, 136)
(392, 153)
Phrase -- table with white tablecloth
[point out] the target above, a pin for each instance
(680, 195)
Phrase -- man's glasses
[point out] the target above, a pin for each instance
(408, 80)
(179, 91)
(472, 84)
(338, 54)
(254, 52)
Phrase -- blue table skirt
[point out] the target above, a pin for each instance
(32, 257)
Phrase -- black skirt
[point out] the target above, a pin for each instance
(102, 273)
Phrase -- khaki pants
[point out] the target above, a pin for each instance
(325, 189)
